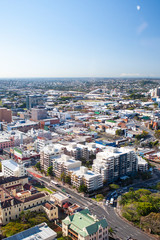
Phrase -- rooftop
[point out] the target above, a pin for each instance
(39, 232)
(10, 164)
(84, 223)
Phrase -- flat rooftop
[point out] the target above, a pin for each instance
(39, 232)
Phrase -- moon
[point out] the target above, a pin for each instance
(138, 7)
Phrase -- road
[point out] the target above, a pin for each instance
(122, 228)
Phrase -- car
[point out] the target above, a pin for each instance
(112, 201)
(107, 202)
(68, 195)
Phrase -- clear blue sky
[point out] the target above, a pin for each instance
(79, 38)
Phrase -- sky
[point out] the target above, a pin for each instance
(79, 38)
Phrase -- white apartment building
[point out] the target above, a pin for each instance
(79, 151)
(40, 143)
(114, 163)
(79, 174)
(11, 168)
(48, 153)
(142, 165)
(84, 176)
(91, 148)
(64, 164)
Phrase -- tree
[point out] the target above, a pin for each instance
(119, 132)
(68, 179)
(50, 171)
(62, 177)
(158, 186)
(38, 165)
(157, 134)
(155, 105)
(151, 223)
(83, 188)
(0, 167)
(99, 197)
(144, 208)
(111, 232)
(114, 186)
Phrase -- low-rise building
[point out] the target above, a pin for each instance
(41, 231)
(11, 168)
(14, 200)
(59, 198)
(84, 226)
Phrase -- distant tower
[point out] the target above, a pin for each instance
(21, 138)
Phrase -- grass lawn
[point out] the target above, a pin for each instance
(44, 189)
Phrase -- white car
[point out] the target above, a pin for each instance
(107, 202)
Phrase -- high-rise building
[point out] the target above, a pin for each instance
(5, 115)
(39, 113)
(114, 163)
(155, 92)
(48, 153)
(33, 101)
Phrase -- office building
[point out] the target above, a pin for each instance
(155, 93)
(38, 113)
(33, 101)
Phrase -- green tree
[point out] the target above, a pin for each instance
(119, 132)
(111, 232)
(83, 188)
(158, 186)
(151, 223)
(155, 105)
(144, 208)
(157, 134)
(50, 171)
(0, 167)
(114, 186)
(68, 179)
(62, 177)
(38, 165)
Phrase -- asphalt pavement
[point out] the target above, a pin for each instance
(122, 228)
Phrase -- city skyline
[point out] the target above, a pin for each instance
(79, 39)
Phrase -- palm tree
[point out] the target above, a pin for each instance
(111, 232)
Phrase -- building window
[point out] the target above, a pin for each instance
(5, 214)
